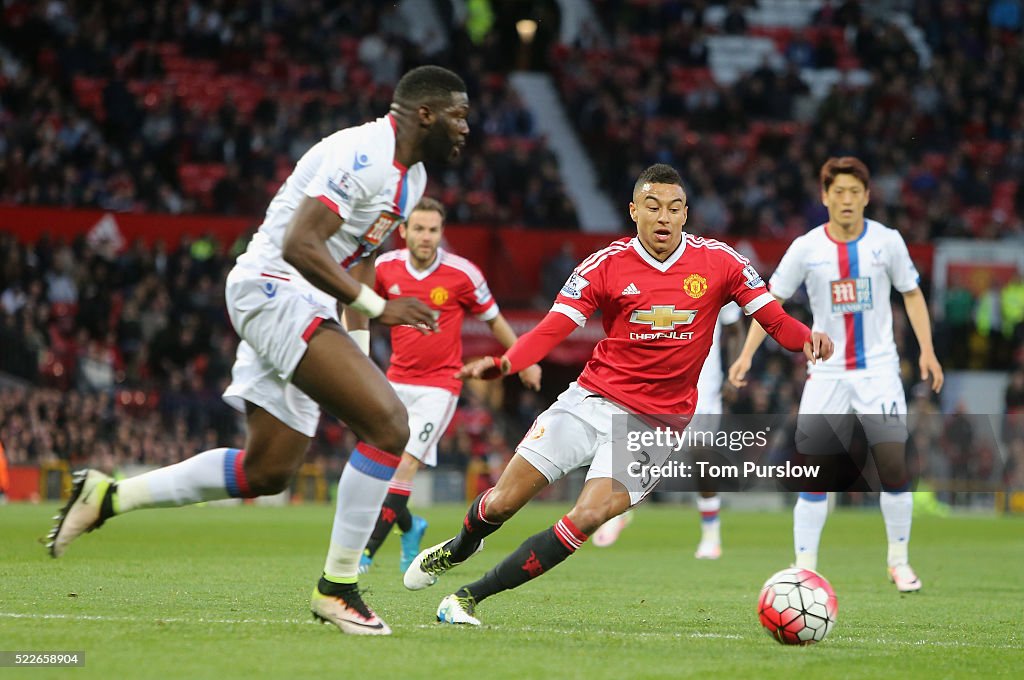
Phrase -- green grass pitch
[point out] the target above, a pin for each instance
(222, 592)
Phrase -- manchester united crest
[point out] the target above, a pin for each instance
(439, 296)
(695, 285)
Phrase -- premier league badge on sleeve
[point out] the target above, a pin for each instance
(573, 288)
(753, 279)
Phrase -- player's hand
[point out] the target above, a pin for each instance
(930, 368)
(530, 377)
(819, 348)
(486, 368)
(407, 311)
(738, 371)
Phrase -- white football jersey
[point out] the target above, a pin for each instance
(709, 382)
(354, 173)
(848, 286)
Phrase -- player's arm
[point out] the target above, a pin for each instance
(356, 323)
(525, 351)
(906, 280)
(503, 333)
(733, 339)
(792, 334)
(788, 276)
(744, 358)
(305, 248)
(920, 321)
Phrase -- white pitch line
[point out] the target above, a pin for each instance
(507, 629)
(155, 619)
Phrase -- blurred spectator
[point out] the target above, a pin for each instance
(197, 110)
(941, 136)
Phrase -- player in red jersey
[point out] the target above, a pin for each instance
(660, 293)
(422, 367)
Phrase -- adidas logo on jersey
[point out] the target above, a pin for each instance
(631, 289)
(394, 289)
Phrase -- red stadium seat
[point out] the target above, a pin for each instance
(1003, 196)
(977, 219)
(89, 95)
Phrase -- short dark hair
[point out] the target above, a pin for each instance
(844, 165)
(427, 203)
(659, 173)
(427, 84)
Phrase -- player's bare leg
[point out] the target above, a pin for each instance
(897, 504)
(272, 453)
(336, 374)
(608, 533)
(519, 482)
(395, 513)
(600, 500)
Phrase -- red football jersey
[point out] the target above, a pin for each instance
(659, 317)
(451, 286)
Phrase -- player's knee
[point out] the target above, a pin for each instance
(391, 432)
(266, 480)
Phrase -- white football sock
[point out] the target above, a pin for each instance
(207, 476)
(898, 511)
(360, 496)
(808, 521)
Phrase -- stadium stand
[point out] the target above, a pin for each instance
(749, 111)
(183, 108)
(206, 107)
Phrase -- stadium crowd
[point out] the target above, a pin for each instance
(206, 106)
(122, 359)
(941, 128)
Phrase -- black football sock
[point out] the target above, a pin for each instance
(474, 529)
(537, 554)
(403, 518)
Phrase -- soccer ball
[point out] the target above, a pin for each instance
(797, 606)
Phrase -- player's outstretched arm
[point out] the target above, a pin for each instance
(792, 334)
(503, 333)
(527, 350)
(920, 321)
(305, 248)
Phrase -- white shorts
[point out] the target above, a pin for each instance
(878, 401)
(275, 318)
(708, 413)
(575, 431)
(430, 412)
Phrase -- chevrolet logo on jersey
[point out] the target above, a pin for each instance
(663, 317)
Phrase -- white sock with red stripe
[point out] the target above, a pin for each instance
(710, 526)
(361, 490)
(207, 476)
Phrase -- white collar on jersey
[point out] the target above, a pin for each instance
(649, 259)
(420, 275)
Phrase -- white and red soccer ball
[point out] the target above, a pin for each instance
(797, 606)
